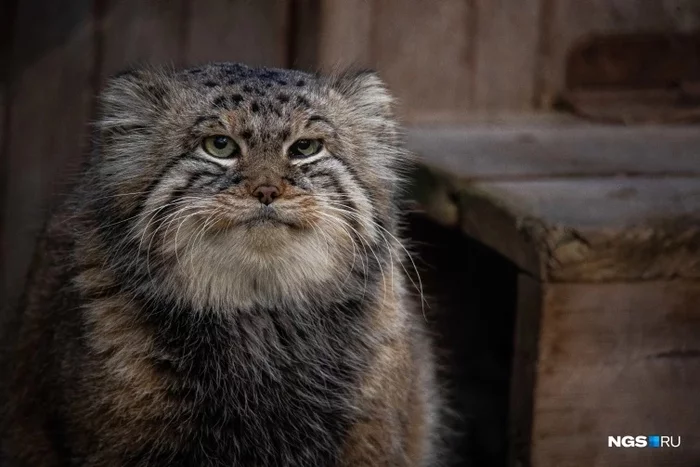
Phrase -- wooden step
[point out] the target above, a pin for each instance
(604, 223)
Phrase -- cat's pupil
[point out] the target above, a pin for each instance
(303, 144)
(221, 142)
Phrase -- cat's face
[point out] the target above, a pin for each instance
(250, 183)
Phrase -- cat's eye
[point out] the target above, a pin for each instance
(222, 147)
(305, 148)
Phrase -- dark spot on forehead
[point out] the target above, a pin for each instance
(283, 98)
(211, 84)
(195, 71)
(303, 102)
(236, 99)
(221, 101)
(246, 134)
(268, 85)
(281, 82)
(301, 82)
(204, 118)
(318, 118)
(247, 88)
(254, 107)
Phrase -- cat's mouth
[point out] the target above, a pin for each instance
(267, 216)
(258, 215)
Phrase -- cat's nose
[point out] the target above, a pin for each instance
(266, 194)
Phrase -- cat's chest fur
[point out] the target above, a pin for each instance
(264, 387)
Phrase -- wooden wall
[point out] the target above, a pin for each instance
(444, 59)
(449, 59)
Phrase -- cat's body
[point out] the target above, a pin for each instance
(191, 306)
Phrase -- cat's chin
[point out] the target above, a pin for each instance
(269, 224)
(264, 263)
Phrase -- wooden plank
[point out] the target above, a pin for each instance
(599, 229)
(252, 32)
(506, 44)
(136, 32)
(425, 51)
(617, 359)
(590, 204)
(569, 202)
(567, 22)
(519, 149)
(50, 106)
(579, 229)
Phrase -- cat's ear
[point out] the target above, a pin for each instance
(131, 98)
(366, 90)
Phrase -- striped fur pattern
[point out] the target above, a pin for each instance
(174, 319)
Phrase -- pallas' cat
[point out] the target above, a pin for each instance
(225, 285)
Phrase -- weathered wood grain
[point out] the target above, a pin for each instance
(506, 39)
(567, 22)
(446, 59)
(597, 203)
(602, 229)
(617, 359)
(250, 31)
(569, 202)
(345, 34)
(536, 148)
(425, 51)
(137, 33)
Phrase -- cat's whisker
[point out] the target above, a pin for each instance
(418, 286)
(362, 240)
(203, 230)
(352, 243)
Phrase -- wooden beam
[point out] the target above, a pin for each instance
(617, 359)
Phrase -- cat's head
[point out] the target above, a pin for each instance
(250, 184)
